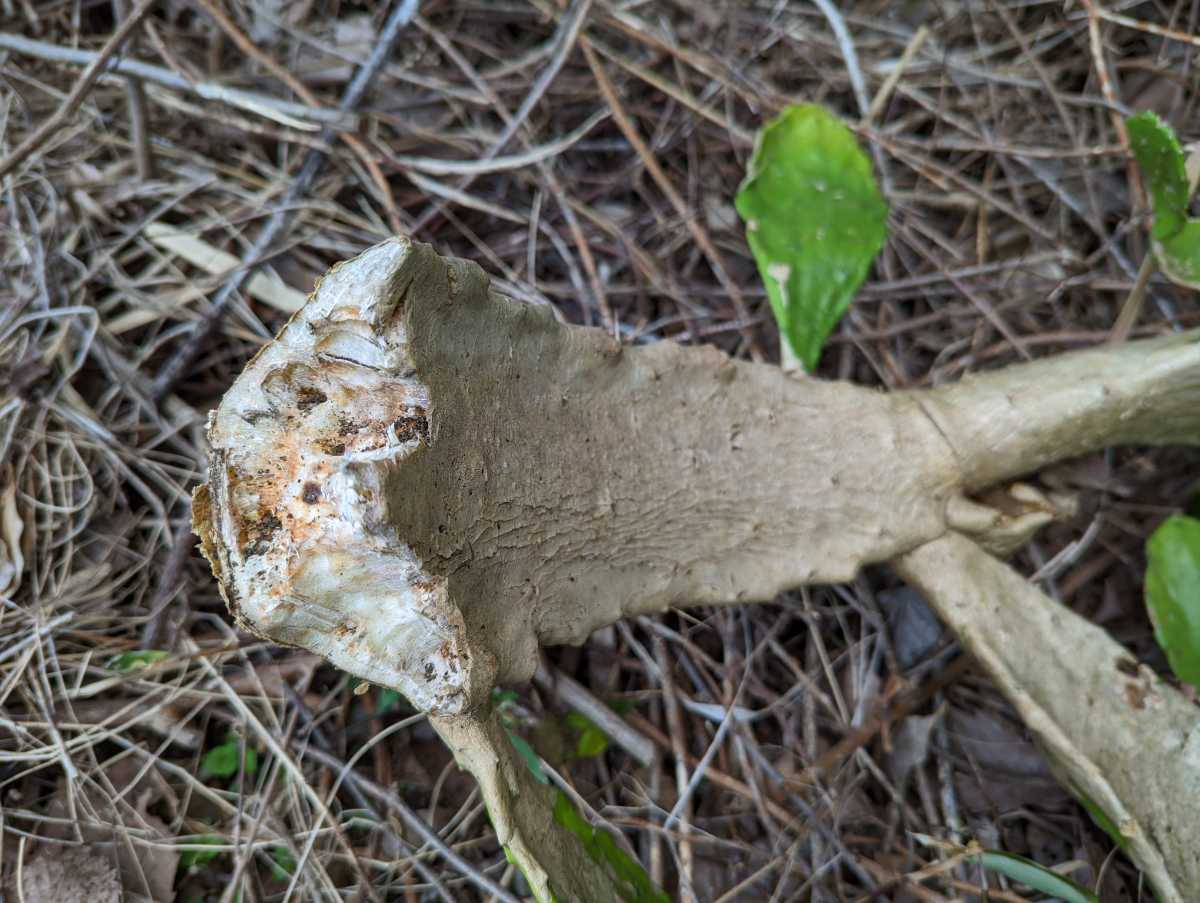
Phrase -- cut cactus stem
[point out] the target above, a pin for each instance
(423, 480)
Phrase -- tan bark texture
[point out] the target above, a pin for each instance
(1119, 736)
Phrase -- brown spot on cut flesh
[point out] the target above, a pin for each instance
(308, 398)
(1136, 695)
(447, 652)
(411, 426)
(256, 535)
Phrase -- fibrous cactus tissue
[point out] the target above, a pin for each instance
(424, 480)
(295, 516)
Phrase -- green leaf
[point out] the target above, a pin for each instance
(223, 761)
(190, 858)
(1179, 256)
(630, 880)
(1173, 593)
(283, 863)
(135, 661)
(1100, 817)
(386, 701)
(503, 698)
(1162, 162)
(1040, 878)
(1176, 236)
(622, 706)
(532, 760)
(814, 220)
(592, 741)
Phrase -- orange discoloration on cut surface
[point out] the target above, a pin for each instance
(308, 397)
(254, 514)
(449, 655)
(304, 445)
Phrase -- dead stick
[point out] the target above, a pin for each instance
(82, 87)
(185, 355)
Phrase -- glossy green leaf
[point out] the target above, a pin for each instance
(224, 761)
(1163, 165)
(1179, 255)
(1173, 593)
(1162, 161)
(1040, 878)
(814, 220)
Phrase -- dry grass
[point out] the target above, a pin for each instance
(1016, 231)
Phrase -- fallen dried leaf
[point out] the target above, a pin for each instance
(263, 285)
(12, 561)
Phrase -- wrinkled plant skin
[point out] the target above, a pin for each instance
(424, 480)
(1114, 732)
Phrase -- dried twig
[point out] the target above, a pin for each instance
(575, 695)
(86, 81)
(714, 256)
(386, 798)
(135, 95)
(286, 112)
(185, 355)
